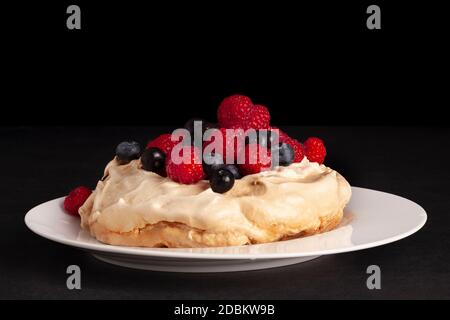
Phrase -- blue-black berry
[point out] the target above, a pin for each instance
(221, 181)
(285, 154)
(205, 125)
(127, 151)
(212, 162)
(153, 159)
(234, 170)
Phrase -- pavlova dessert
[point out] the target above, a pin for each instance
(239, 182)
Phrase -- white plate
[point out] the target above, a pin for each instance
(372, 218)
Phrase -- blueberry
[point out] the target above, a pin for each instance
(285, 154)
(212, 162)
(153, 159)
(205, 125)
(221, 180)
(127, 151)
(234, 170)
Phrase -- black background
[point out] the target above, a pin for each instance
(310, 63)
(377, 98)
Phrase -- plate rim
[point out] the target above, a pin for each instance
(150, 252)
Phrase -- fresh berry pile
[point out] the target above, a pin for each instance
(240, 153)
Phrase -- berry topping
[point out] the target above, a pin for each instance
(76, 199)
(315, 150)
(164, 143)
(212, 162)
(189, 172)
(257, 159)
(259, 118)
(153, 159)
(285, 154)
(127, 151)
(221, 180)
(234, 110)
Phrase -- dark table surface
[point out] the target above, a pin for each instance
(39, 164)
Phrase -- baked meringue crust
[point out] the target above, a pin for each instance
(134, 207)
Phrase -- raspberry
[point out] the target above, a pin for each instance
(164, 143)
(299, 150)
(282, 135)
(259, 118)
(186, 173)
(257, 159)
(233, 140)
(315, 150)
(234, 110)
(76, 199)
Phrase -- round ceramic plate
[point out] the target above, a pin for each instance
(372, 218)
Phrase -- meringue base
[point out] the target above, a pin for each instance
(134, 207)
(178, 235)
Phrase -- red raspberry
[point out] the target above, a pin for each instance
(186, 173)
(299, 150)
(315, 149)
(235, 141)
(76, 199)
(257, 159)
(164, 143)
(259, 118)
(234, 110)
(282, 135)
